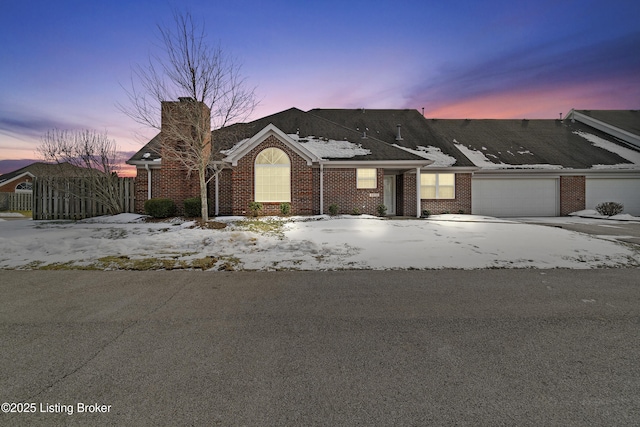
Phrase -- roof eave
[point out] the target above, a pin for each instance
(624, 135)
(153, 164)
(376, 163)
(22, 175)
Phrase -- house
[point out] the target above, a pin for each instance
(544, 167)
(359, 159)
(21, 180)
(294, 157)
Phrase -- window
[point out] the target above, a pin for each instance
(437, 186)
(24, 187)
(273, 176)
(367, 178)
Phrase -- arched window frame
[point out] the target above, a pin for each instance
(272, 176)
(24, 187)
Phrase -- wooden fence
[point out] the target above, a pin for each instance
(16, 201)
(78, 198)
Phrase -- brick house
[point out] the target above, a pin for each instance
(21, 180)
(359, 159)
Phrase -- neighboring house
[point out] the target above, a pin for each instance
(544, 167)
(359, 159)
(21, 180)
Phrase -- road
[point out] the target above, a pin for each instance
(486, 347)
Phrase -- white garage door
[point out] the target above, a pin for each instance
(621, 190)
(515, 197)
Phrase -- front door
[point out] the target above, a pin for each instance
(390, 194)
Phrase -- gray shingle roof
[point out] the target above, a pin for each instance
(528, 142)
(628, 120)
(40, 169)
(511, 142)
(152, 148)
(293, 121)
(382, 124)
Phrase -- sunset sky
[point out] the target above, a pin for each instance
(62, 63)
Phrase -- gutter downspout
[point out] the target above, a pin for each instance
(321, 188)
(146, 166)
(417, 192)
(217, 210)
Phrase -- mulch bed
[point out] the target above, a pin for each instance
(211, 225)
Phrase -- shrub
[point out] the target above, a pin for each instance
(255, 208)
(160, 208)
(333, 209)
(610, 208)
(382, 210)
(355, 211)
(426, 213)
(285, 208)
(193, 207)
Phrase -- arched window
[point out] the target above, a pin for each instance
(272, 176)
(24, 187)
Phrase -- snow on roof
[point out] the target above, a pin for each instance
(626, 153)
(234, 148)
(330, 148)
(479, 159)
(321, 147)
(430, 152)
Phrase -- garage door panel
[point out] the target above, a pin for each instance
(515, 197)
(621, 190)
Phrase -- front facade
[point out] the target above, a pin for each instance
(357, 160)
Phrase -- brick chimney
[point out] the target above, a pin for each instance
(181, 120)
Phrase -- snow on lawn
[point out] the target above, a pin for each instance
(304, 243)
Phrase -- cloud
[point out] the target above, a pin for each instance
(28, 124)
(7, 166)
(540, 67)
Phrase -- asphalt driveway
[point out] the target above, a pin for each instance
(623, 231)
(490, 347)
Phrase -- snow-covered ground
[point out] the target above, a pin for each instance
(304, 243)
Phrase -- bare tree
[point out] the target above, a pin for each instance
(93, 157)
(190, 68)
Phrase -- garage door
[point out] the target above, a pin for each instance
(515, 197)
(621, 190)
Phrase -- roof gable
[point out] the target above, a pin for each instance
(246, 145)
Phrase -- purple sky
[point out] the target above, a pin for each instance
(62, 63)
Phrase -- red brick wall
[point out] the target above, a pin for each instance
(340, 187)
(141, 194)
(225, 194)
(572, 194)
(172, 184)
(409, 193)
(242, 182)
(11, 187)
(141, 189)
(462, 201)
(173, 181)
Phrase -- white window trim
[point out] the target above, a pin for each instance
(269, 166)
(22, 190)
(360, 185)
(437, 185)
